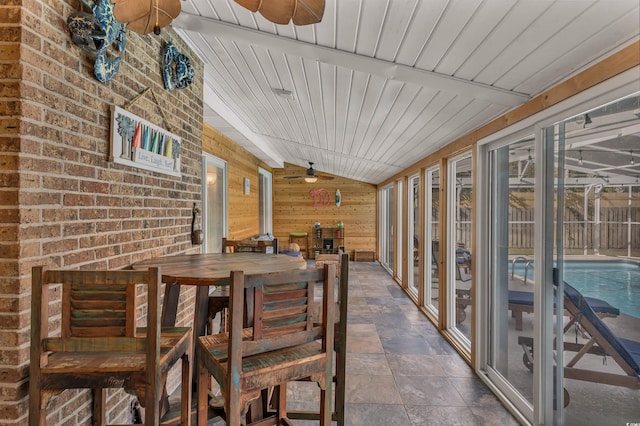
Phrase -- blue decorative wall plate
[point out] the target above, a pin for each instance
(177, 70)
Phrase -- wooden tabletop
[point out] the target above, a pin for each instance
(209, 268)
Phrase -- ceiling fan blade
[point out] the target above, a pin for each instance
(140, 16)
(278, 12)
(325, 177)
(308, 12)
(252, 5)
(294, 177)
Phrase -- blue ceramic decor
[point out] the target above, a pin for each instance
(95, 33)
(177, 70)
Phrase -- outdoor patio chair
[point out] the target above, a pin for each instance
(463, 261)
(281, 344)
(99, 345)
(521, 302)
(600, 341)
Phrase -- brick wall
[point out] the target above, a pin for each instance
(62, 203)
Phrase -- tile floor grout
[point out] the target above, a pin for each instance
(400, 370)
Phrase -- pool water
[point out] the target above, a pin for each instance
(616, 281)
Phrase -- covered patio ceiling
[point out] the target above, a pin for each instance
(602, 147)
(379, 84)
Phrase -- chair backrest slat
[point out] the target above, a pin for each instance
(96, 344)
(96, 305)
(281, 306)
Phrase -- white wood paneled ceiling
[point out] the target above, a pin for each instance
(380, 84)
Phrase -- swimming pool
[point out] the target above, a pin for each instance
(616, 281)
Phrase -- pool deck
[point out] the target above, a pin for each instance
(591, 403)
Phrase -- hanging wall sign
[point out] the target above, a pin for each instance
(138, 143)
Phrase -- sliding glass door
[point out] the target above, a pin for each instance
(214, 200)
(387, 224)
(596, 169)
(431, 237)
(264, 201)
(509, 242)
(413, 234)
(458, 248)
(399, 209)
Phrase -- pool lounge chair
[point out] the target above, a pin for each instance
(600, 341)
(521, 302)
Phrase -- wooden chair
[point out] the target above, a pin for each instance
(340, 339)
(219, 297)
(99, 345)
(249, 245)
(283, 344)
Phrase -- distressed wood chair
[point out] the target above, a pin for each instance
(99, 345)
(283, 344)
(219, 297)
(340, 338)
(249, 245)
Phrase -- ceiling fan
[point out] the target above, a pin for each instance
(302, 12)
(310, 176)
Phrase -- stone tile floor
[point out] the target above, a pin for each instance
(400, 370)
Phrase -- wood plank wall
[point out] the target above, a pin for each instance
(293, 209)
(241, 164)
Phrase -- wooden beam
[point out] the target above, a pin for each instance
(193, 23)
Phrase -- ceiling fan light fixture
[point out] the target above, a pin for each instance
(310, 179)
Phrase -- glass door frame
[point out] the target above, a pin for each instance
(387, 209)
(414, 221)
(485, 299)
(450, 243)
(209, 159)
(427, 237)
(266, 201)
(401, 197)
(610, 90)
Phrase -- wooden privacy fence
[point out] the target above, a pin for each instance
(617, 229)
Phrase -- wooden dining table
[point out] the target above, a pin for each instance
(210, 269)
(205, 270)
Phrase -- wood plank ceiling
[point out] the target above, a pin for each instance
(380, 84)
